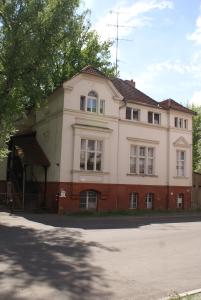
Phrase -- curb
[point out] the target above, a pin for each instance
(189, 293)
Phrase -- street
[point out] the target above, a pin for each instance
(113, 258)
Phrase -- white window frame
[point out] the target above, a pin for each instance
(180, 200)
(82, 98)
(149, 199)
(133, 200)
(132, 110)
(85, 151)
(87, 197)
(136, 156)
(180, 123)
(153, 117)
(102, 107)
(92, 101)
(180, 163)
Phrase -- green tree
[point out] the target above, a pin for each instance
(197, 138)
(42, 43)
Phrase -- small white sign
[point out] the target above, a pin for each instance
(63, 193)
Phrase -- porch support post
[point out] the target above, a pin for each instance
(45, 186)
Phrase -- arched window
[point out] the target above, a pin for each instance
(93, 94)
(88, 200)
(149, 200)
(92, 101)
(134, 200)
(180, 200)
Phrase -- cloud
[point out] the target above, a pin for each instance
(196, 35)
(177, 66)
(196, 98)
(88, 4)
(130, 16)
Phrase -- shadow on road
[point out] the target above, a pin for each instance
(58, 258)
(115, 222)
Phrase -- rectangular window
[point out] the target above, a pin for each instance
(180, 163)
(176, 122)
(180, 200)
(91, 155)
(150, 170)
(142, 160)
(153, 118)
(180, 123)
(91, 105)
(150, 117)
(149, 200)
(133, 200)
(102, 107)
(128, 113)
(133, 159)
(82, 102)
(132, 114)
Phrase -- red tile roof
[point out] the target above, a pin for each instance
(171, 104)
(93, 71)
(127, 89)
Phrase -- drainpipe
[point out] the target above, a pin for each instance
(23, 187)
(45, 187)
(168, 159)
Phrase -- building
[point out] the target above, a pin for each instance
(102, 145)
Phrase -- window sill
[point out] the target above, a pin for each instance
(92, 112)
(141, 175)
(180, 177)
(87, 172)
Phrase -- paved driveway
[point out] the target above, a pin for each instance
(61, 258)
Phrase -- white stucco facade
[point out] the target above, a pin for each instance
(62, 125)
(61, 130)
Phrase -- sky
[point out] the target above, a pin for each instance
(160, 47)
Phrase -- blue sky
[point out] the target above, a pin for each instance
(164, 54)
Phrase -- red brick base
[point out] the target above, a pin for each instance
(111, 196)
(116, 197)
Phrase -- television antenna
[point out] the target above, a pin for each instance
(117, 39)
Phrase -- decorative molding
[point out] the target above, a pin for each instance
(181, 142)
(67, 87)
(144, 124)
(94, 173)
(91, 127)
(141, 175)
(143, 141)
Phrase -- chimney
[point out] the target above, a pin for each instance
(132, 82)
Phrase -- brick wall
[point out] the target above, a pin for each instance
(111, 196)
(116, 197)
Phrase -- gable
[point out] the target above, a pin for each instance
(181, 142)
(87, 82)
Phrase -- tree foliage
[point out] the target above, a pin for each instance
(42, 43)
(197, 139)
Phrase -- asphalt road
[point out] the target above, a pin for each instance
(61, 258)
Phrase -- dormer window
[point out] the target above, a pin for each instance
(91, 103)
